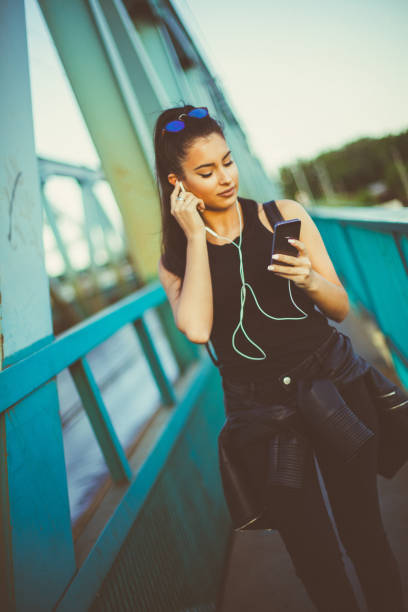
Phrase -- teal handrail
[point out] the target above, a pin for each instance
(69, 351)
(369, 249)
(24, 381)
(20, 379)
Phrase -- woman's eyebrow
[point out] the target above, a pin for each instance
(212, 164)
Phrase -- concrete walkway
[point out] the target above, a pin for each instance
(260, 576)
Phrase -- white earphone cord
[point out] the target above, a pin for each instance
(243, 295)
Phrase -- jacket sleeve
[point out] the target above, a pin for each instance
(391, 404)
(243, 505)
(258, 450)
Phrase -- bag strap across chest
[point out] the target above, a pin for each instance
(272, 212)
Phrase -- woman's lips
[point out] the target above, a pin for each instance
(226, 194)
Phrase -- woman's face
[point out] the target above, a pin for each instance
(209, 169)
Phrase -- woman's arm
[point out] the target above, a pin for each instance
(191, 300)
(331, 298)
(195, 309)
(312, 270)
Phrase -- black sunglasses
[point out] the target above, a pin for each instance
(178, 124)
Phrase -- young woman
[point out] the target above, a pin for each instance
(277, 353)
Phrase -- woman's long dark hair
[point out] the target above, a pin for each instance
(170, 150)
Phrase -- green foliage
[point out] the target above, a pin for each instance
(353, 168)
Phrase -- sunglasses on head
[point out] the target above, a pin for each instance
(178, 124)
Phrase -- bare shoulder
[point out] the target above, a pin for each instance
(291, 208)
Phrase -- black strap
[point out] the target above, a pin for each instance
(272, 212)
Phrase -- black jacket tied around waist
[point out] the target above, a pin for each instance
(268, 441)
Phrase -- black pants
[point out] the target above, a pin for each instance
(309, 537)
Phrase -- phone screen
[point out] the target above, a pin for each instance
(282, 231)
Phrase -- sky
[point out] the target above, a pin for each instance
(305, 77)
(301, 77)
(59, 129)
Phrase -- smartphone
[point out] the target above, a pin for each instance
(282, 230)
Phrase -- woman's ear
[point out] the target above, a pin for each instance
(172, 178)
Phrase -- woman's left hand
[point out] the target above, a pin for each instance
(300, 270)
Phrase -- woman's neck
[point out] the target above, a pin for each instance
(228, 223)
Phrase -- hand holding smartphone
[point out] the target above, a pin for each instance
(281, 232)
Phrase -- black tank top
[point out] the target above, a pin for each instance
(285, 343)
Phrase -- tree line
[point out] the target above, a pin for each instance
(366, 171)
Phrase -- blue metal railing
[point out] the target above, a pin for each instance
(369, 249)
(188, 413)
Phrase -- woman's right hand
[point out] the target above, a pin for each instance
(186, 213)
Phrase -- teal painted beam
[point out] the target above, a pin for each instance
(84, 586)
(100, 421)
(143, 88)
(39, 529)
(37, 557)
(114, 118)
(159, 48)
(132, 64)
(154, 361)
